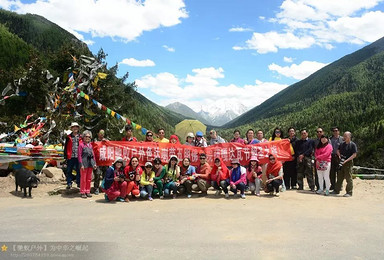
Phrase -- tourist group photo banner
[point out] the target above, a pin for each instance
(106, 152)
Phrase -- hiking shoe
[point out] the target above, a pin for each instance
(277, 194)
(226, 195)
(174, 196)
(69, 186)
(189, 196)
(218, 192)
(89, 195)
(326, 193)
(120, 199)
(335, 192)
(126, 199)
(258, 194)
(106, 197)
(271, 193)
(294, 187)
(243, 196)
(83, 196)
(161, 197)
(150, 198)
(347, 195)
(319, 192)
(97, 192)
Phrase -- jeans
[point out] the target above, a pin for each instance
(146, 191)
(73, 163)
(275, 184)
(168, 187)
(223, 185)
(254, 187)
(240, 186)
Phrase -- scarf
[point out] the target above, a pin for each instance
(224, 171)
(236, 173)
(274, 168)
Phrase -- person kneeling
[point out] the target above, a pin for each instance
(274, 175)
(115, 185)
(237, 178)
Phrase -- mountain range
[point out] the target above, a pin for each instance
(214, 115)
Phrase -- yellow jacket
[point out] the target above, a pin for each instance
(145, 180)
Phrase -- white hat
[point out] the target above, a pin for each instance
(118, 159)
(174, 156)
(191, 135)
(75, 124)
(148, 164)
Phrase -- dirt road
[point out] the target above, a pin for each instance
(297, 225)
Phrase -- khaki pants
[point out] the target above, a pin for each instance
(345, 173)
(203, 184)
(304, 168)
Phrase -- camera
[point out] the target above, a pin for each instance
(132, 175)
(121, 176)
(342, 160)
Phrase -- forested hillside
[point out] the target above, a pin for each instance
(31, 45)
(347, 93)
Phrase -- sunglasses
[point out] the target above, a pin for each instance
(277, 132)
(202, 158)
(335, 130)
(87, 136)
(150, 135)
(149, 166)
(319, 131)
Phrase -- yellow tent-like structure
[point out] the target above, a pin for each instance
(187, 126)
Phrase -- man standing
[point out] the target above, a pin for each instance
(215, 139)
(129, 134)
(319, 133)
(289, 167)
(347, 152)
(71, 154)
(336, 140)
(161, 136)
(260, 136)
(304, 149)
(203, 173)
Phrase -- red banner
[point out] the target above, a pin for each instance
(107, 151)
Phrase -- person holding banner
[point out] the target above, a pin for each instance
(238, 178)
(159, 178)
(236, 137)
(220, 177)
(114, 183)
(250, 135)
(276, 135)
(161, 136)
(173, 139)
(203, 172)
(146, 182)
(274, 175)
(133, 176)
(187, 177)
(254, 173)
(172, 175)
(149, 137)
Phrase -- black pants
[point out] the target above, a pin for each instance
(240, 187)
(334, 169)
(99, 175)
(290, 174)
(223, 185)
(275, 184)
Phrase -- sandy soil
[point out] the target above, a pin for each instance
(297, 225)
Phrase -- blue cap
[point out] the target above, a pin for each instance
(199, 133)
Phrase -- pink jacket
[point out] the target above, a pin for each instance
(324, 153)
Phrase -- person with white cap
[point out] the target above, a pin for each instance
(254, 173)
(190, 139)
(146, 181)
(200, 140)
(71, 154)
(172, 176)
(237, 178)
(114, 183)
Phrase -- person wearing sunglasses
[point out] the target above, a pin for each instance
(149, 137)
(304, 151)
(172, 176)
(215, 138)
(237, 178)
(159, 178)
(276, 135)
(147, 182)
(319, 133)
(220, 177)
(203, 173)
(161, 136)
(87, 164)
(274, 176)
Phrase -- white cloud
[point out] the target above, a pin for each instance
(240, 29)
(137, 63)
(288, 59)
(202, 88)
(307, 23)
(170, 49)
(297, 71)
(120, 19)
(272, 41)
(88, 42)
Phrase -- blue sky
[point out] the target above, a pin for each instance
(216, 53)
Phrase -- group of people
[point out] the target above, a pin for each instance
(325, 162)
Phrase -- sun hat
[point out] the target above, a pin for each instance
(148, 164)
(235, 161)
(191, 135)
(74, 124)
(254, 158)
(118, 159)
(174, 156)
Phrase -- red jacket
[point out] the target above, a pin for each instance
(68, 146)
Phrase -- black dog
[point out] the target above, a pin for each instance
(25, 178)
